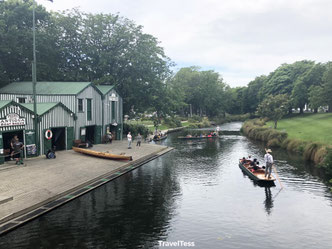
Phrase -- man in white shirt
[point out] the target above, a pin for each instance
(129, 140)
(268, 162)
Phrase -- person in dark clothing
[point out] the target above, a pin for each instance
(18, 150)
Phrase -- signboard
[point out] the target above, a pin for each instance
(113, 97)
(31, 149)
(12, 119)
(83, 131)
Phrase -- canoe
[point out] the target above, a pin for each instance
(206, 137)
(257, 175)
(102, 154)
(159, 138)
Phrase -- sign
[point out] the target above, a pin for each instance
(113, 97)
(31, 149)
(12, 119)
(83, 131)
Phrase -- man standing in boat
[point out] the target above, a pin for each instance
(268, 162)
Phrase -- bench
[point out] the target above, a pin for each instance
(79, 143)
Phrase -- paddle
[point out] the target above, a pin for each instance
(274, 168)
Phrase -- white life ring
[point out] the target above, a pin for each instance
(48, 134)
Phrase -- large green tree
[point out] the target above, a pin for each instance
(203, 91)
(274, 107)
(327, 86)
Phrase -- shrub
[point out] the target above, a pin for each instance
(172, 122)
(195, 119)
(328, 161)
(135, 129)
(310, 150)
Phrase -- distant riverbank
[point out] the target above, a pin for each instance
(309, 135)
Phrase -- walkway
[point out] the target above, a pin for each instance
(40, 181)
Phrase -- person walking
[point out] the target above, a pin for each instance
(18, 151)
(268, 163)
(139, 140)
(129, 137)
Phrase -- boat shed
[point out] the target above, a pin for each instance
(84, 99)
(112, 112)
(55, 122)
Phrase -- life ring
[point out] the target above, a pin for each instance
(48, 134)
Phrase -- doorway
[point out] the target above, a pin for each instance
(7, 137)
(90, 134)
(59, 138)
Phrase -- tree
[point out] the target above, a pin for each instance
(204, 91)
(316, 99)
(299, 94)
(16, 41)
(274, 107)
(327, 86)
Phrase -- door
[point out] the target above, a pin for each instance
(70, 137)
(97, 139)
(2, 159)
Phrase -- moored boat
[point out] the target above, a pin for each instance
(159, 138)
(197, 137)
(102, 154)
(256, 175)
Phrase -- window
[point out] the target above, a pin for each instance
(80, 105)
(113, 110)
(89, 109)
(21, 100)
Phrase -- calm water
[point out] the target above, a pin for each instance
(196, 193)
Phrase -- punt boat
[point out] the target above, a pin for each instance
(256, 175)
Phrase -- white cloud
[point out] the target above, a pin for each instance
(241, 39)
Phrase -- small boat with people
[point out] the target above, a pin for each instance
(105, 155)
(201, 136)
(254, 171)
(159, 138)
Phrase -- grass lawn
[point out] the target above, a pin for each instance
(308, 127)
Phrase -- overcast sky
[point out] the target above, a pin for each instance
(240, 39)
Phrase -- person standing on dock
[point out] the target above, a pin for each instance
(268, 162)
(129, 137)
(139, 140)
(18, 150)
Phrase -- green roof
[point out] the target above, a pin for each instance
(48, 88)
(104, 89)
(3, 103)
(42, 108)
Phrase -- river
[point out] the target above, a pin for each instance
(195, 194)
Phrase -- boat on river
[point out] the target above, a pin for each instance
(105, 155)
(197, 137)
(257, 175)
(159, 138)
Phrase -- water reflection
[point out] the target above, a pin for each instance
(268, 203)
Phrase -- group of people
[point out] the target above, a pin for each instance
(158, 135)
(130, 138)
(254, 164)
(211, 134)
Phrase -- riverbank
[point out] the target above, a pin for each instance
(300, 139)
(42, 185)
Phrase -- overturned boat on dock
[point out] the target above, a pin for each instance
(105, 155)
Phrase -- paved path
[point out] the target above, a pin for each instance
(25, 188)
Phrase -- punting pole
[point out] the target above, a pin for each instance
(274, 168)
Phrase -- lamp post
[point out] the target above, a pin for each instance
(34, 77)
